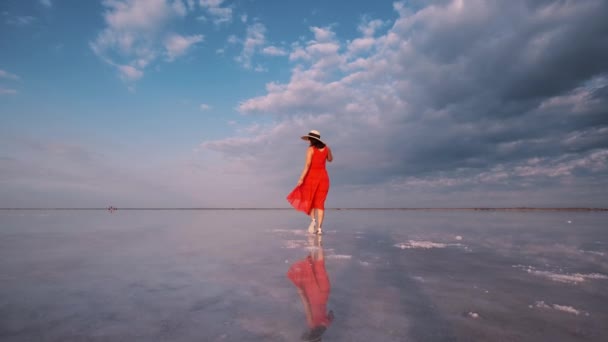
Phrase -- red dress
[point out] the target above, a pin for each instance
(313, 190)
(311, 278)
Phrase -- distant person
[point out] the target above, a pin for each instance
(311, 190)
(311, 279)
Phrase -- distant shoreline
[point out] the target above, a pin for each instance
(582, 209)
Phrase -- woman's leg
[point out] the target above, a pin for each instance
(312, 226)
(320, 215)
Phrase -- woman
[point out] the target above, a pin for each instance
(311, 190)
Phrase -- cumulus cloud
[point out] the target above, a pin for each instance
(130, 73)
(180, 8)
(462, 94)
(219, 14)
(369, 27)
(255, 43)
(254, 40)
(135, 35)
(274, 51)
(323, 50)
(177, 45)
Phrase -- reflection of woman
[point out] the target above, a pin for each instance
(313, 185)
(310, 278)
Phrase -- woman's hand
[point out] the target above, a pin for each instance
(300, 181)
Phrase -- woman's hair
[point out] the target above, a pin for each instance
(316, 143)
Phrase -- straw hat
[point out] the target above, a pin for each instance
(312, 135)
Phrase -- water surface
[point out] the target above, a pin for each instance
(221, 275)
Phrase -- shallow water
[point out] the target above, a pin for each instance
(221, 275)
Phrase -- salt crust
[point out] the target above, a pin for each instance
(420, 244)
(414, 244)
(338, 256)
(563, 278)
(563, 308)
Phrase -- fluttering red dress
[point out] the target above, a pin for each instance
(311, 278)
(313, 190)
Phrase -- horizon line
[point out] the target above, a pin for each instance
(335, 208)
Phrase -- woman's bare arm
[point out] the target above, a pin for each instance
(330, 156)
(306, 166)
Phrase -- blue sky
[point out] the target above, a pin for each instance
(200, 103)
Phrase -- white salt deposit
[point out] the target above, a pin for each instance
(541, 304)
(414, 244)
(300, 232)
(595, 276)
(473, 314)
(563, 308)
(563, 278)
(593, 252)
(338, 256)
(293, 244)
(420, 244)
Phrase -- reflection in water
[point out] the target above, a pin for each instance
(310, 278)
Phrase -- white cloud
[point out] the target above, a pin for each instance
(130, 73)
(361, 45)
(298, 53)
(191, 4)
(323, 34)
(243, 18)
(204, 107)
(7, 91)
(369, 27)
(274, 51)
(136, 15)
(7, 75)
(323, 52)
(211, 3)
(135, 34)
(260, 68)
(11, 77)
(232, 39)
(177, 45)
(46, 3)
(180, 8)
(254, 39)
(21, 20)
(414, 92)
(219, 14)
